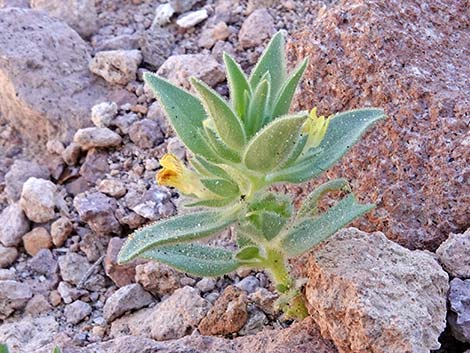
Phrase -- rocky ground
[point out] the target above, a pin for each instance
(80, 145)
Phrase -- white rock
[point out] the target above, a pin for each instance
(103, 114)
(163, 15)
(127, 298)
(191, 19)
(7, 256)
(13, 225)
(92, 137)
(454, 253)
(116, 66)
(13, 296)
(77, 311)
(39, 199)
(181, 6)
(111, 187)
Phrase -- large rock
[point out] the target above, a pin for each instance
(13, 225)
(81, 15)
(369, 294)
(38, 199)
(415, 165)
(459, 314)
(47, 91)
(19, 172)
(257, 28)
(454, 253)
(13, 295)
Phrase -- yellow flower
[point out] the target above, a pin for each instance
(174, 173)
(315, 127)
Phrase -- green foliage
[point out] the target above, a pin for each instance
(239, 149)
(3, 348)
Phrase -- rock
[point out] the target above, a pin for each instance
(157, 278)
(13, 296)
(191, 19)
(37, 305)
(60, 231)
(43, 262)
(93, 245)
(38, 199)
(163, 15)
(81, 15)
(459, 314)
(258, 4)
(257, 28)
(145, 133)
(7, 256)
(13, 225)
(178, 68)
(116, 66)
(118, 42)
(36, 240)
(206, 284)
(103, 114)
(14, 3)
(69, 293)
(256, 322)
(265, 300)
(71, 154)
(95, 166)
(6, 274)
(453, 254)
(181, 6)
(372, 57)
(77, 311)
(176, 147)
(121, 275)
(55, 147)
(73, 267)
(248, 284)
(156, 45)
(373, 286)
(151, 204)
(92, 137)
(228, 315)
(175, 317)
(113, 188)
(128, 298)
(44, 111)
(97, 210)
(19, 172)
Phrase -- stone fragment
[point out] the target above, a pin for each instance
(257, 28)
(257, 320)
(145, 133)
(181, 6)
(121, 275)
(43, 262)
(14, 3)
(37, 305)
(113, 188)
(77, 311)
(92, 244)
(95, 166)
(81, 15)
(73, 267)
(19, 172)
(152, 204)
(118, 42)
(116, 66)
(157, 278)
(102, 114)
(92, 137)
(13, 296)
(163, 15)
(228, 315)
(454, 253)
(178, 68)
(128, 298)
(459, 314)
(55, 147)
(69, 293)
(38, 110)
(265, 300)
(248, 284)
(97, 210)
(206, 284)
(60, 231)
(13, 225)
(373, 287)
(7, 256)
(191, 19)
(220, 31)
(71, 154)
(156, 45)
(36, 240)
(6, 274)
(38, 199)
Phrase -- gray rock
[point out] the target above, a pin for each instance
(60, 230)
(128, 298)
(69, 293)
(73, 267)
(92, 137)
(119, 42)
(13, 225)
(6, 274)
(19, 172)
(248, 284)
(156, 45)
(158, 278)
(14, 3)
(38, 199)
(206, 284)
(95, 166)
(178, 68)
(97, 210)
(459, 314)
(71, 154)
(163, 14)
(145, 133)
(37, 306)
(48, 92)
(257, 28)
(13, 296)
(191, 19)
(81, 15)
(454, 253)
(43, 262)
(7, 256)
(113, 188)
(181, 6)
(102, 114)
(77, 311)
(116, 66)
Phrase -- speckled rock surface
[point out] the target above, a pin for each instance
(410, 58)
(369, 294)
(454, 256)
(459, 313)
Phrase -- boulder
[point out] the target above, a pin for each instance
(369, 294)
(414, 165)
(459, 313)
(13, 225)
(38, 199)
(454, 253)
(47, 90)
(19, 172)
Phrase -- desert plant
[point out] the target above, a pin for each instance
(239, 149)
(4, 349)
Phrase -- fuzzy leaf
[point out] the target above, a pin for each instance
(267, 223)
(227, 123)
(206, 168)
(248, 253)
(238, 84)
(185, 113)
(221, 187)
(308, 233)
(196, 259)
(219, 147)
(3, 348)
(56, 350)
(344, 131)
(216, 203)
(257, 108)
(243, 239)
(173, 230)
(273, 143)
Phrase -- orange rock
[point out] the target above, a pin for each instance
(38, 239)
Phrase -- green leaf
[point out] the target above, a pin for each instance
(221, 187)
(257, 108)
(311, 231)
(173, 230)
(243, 239)
(273, 60)
(296, 152)
(3, 348)
(273, 143)
(310, 204)
(344, 131)
(216, 203)
(227, 123)
(206, 168)
(248, 253)
(284, 99)
(185, 113)
(238, 84)
(268, 224)
(56, 350)
(196, 259)
(219, 147)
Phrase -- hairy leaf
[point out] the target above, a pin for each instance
(221, 187)
(257, 108)
(247, 253)
(238, 84)
(219, 147)
(3, 348)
